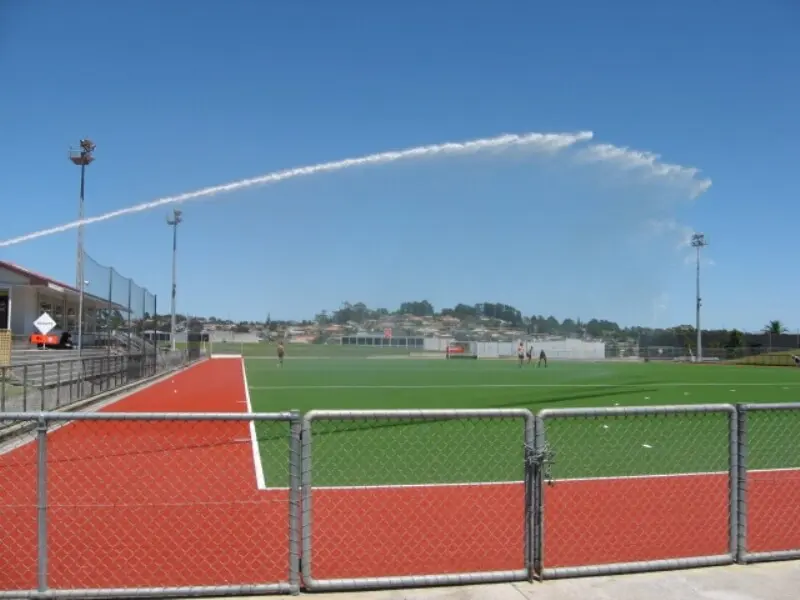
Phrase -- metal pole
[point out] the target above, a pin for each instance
(699, 332)
(109, 321)
(130, 316)
(41, 505)
(81, 278)
(174, 279)
(82, 157)
(698, 242)
(174, 222)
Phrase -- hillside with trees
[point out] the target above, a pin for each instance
(500, 316)
(773, 335)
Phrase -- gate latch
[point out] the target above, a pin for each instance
(542, 460)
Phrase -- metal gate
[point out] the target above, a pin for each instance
(625, 490)
(415, 497)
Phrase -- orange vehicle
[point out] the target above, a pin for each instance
(51, 340)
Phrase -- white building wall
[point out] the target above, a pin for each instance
(571, 349)
(436, 344)
(23, 301)
(563, 349)
(231, 337)
(23, 310)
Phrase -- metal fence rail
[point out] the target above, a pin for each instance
(610, 475)
(51, 384)
(149, 504)
(450, 506)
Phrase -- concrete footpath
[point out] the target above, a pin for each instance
(772, 581)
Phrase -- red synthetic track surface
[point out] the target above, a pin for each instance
(417, 530)
(597, 522)
(163, 504)
(773, 510)
(606, 521)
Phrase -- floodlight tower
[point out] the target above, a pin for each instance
(82, 157)
(698, 242)
(177, 218)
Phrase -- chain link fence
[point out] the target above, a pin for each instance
(422, 497)
(769, 481)
(146, 504)
(152, 504)
(117, 312)
(669, 470)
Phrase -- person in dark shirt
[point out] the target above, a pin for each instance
(542, 359)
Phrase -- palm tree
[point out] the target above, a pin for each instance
(774, 328)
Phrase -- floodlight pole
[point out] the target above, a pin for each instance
(83, 158)
(698, 242)
(176, 220)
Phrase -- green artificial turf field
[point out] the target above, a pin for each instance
(383, 452)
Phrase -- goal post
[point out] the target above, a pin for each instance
(462, 350)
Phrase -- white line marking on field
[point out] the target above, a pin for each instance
(356, 488)
(668, 475)
(250, 357)
(402, 486)
(506, 385)
(258, 466)
(646, 446)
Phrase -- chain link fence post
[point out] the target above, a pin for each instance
(741, 482)
(41, 504)
(733, 483)
(539, 459)
(295, 479)
(306, 499)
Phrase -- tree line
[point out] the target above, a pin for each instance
(773, 334)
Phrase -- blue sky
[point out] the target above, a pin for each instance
(181, 95)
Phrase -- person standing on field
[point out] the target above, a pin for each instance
(281, 352)
(542, 358)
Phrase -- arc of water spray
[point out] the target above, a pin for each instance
(552, 142)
